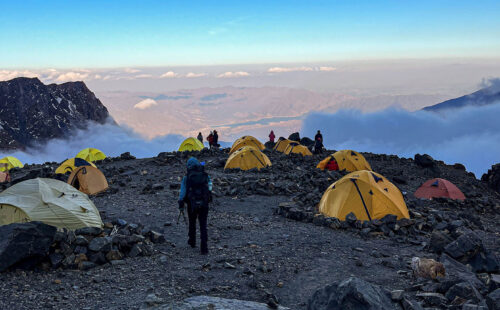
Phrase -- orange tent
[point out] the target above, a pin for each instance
(436, 188)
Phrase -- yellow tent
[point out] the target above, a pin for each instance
(281, 145)
(348, 160)
(70, 164)
(246, 141)
(247, 158)
(10, 162)
(297, 149)
(88, 179)
(91, 154)
(49, 201)
(191, 144)
(365, 193)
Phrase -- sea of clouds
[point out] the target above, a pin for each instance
(470, 136)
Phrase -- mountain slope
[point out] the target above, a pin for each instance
(485, 96)
(32, 112)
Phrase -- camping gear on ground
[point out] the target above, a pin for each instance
(49, 201)
(297, 148)
(10, 162)
(71, 164)
(365, 193)
(281, 145)
(4, 176)
(348, 160)
(247, 158)
(439, 188)
(88, 179)
(246, 141)
(191, 144)
(91, 154)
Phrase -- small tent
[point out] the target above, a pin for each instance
(281, 145)
(88, 180)
(365, 193)
(191, 144)
(49, 201)
(296, 148)
(71, 164)
(246, 141)
(91, 154)
(247, 158)
(10, 162)
(436, 188)
(348, 160)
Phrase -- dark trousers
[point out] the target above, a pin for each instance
(201, 214)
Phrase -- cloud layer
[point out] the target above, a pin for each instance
(469, 136)
(233, 74)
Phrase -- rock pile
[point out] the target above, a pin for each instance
(34, 244)
(492, 177)
(90, 246)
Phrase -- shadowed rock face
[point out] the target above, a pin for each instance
(32, 112)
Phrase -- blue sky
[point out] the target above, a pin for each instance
(103, 34)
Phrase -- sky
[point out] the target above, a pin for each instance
(104, 34)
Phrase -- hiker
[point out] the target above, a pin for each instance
(200, 137)
(210, 139)
(319, 137)
(318, 146)
(271, 137)
(196, 191)
(216, 139)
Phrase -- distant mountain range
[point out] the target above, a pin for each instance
(482, 97)
(32, 112)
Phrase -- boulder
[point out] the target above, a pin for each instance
(456, 270)
(353, 293)
(438, 241)
(424, 161)
(492, 177)
(90, 231)
(465, 247)
(100, 244)
(269, 145)
(24, 243)
(294, 136)
(307, 142)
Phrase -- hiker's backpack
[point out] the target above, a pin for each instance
(197, 188)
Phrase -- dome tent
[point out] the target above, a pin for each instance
(88, 180)
(246, 141)
(91, 154)
(439, 188)
(365, 193)
(348, 160)
(191, 144)
(247, 158)
(49, 201)
(297, 148)
(282, 144)
(10, 162)
(71, 164)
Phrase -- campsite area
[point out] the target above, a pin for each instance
(262, 245)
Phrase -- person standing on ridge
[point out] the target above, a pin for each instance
(200, 137)
(196, 191)
(319, 137)
(271, 137)
(210, 139)
(216, 139)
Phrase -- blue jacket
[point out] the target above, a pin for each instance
(191, 163)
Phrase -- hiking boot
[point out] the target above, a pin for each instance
(192, 244)
(204, 252)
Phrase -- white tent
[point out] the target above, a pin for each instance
(49, 201)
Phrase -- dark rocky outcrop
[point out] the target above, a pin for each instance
(33, 112)
(24, 245)
(353, 293)
(294, 136)
(492, 177)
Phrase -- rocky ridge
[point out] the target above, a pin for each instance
(32, 112)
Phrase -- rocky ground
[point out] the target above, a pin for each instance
(265, 242)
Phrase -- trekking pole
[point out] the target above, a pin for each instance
(181, 212)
